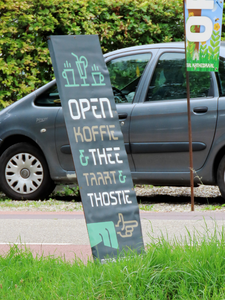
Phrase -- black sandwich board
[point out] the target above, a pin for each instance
(101, 164)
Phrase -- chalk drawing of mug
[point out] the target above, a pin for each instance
(97, 76)
(69, 75)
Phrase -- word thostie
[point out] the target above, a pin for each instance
(199, 21)
(78, 108)
(111, 198)
(103, 178)
(88, 134)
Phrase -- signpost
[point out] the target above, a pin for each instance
(101, 164)
(203, 19)
(203, 25)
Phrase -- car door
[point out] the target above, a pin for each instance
(159, 123)
(125, 73)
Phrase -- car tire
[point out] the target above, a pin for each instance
(221, 176)
(24, 173)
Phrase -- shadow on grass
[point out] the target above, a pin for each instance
(157, 199)
(143, 199)
(179, 200)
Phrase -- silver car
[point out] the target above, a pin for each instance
(149, 86)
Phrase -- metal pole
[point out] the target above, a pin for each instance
(189, 123)
(190, 142)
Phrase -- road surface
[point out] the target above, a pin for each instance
(65, 234)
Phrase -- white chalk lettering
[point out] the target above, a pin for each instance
(75, 103)
(79, 108)
(94, 108)
(103, 157)
(107, 199)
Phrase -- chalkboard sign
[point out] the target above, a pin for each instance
(101, 164)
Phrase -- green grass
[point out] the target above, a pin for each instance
(214, 207)
(146, 207)
(45, 205)
(177, 270)
(69, 191)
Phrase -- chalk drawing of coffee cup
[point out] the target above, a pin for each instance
(69, 75)
(98, 78)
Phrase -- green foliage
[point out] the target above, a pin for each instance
(192, 268)
(25, 62)
(69, 191)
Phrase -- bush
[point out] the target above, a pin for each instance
(25, 62)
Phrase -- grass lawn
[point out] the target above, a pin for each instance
(167, 270)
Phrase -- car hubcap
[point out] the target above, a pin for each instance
(24, 173)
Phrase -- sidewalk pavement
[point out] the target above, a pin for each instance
(65, 234)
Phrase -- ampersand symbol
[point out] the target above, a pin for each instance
(122, 178)
(83, 159)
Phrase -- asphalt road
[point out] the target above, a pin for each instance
(65, 234)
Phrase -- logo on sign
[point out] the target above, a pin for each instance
(105, 232)
(81, 64)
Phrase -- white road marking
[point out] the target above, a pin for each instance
(43, 244)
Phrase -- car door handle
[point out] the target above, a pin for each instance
(200, 109)
(122, 116)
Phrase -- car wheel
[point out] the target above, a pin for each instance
(221, 176)
(24, 173)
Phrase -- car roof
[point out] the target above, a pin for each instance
(172, 45)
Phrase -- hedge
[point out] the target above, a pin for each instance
(25, 62)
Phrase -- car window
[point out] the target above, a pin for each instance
(125, 73)
(221, 76)
(49, 98)
(169, 80)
